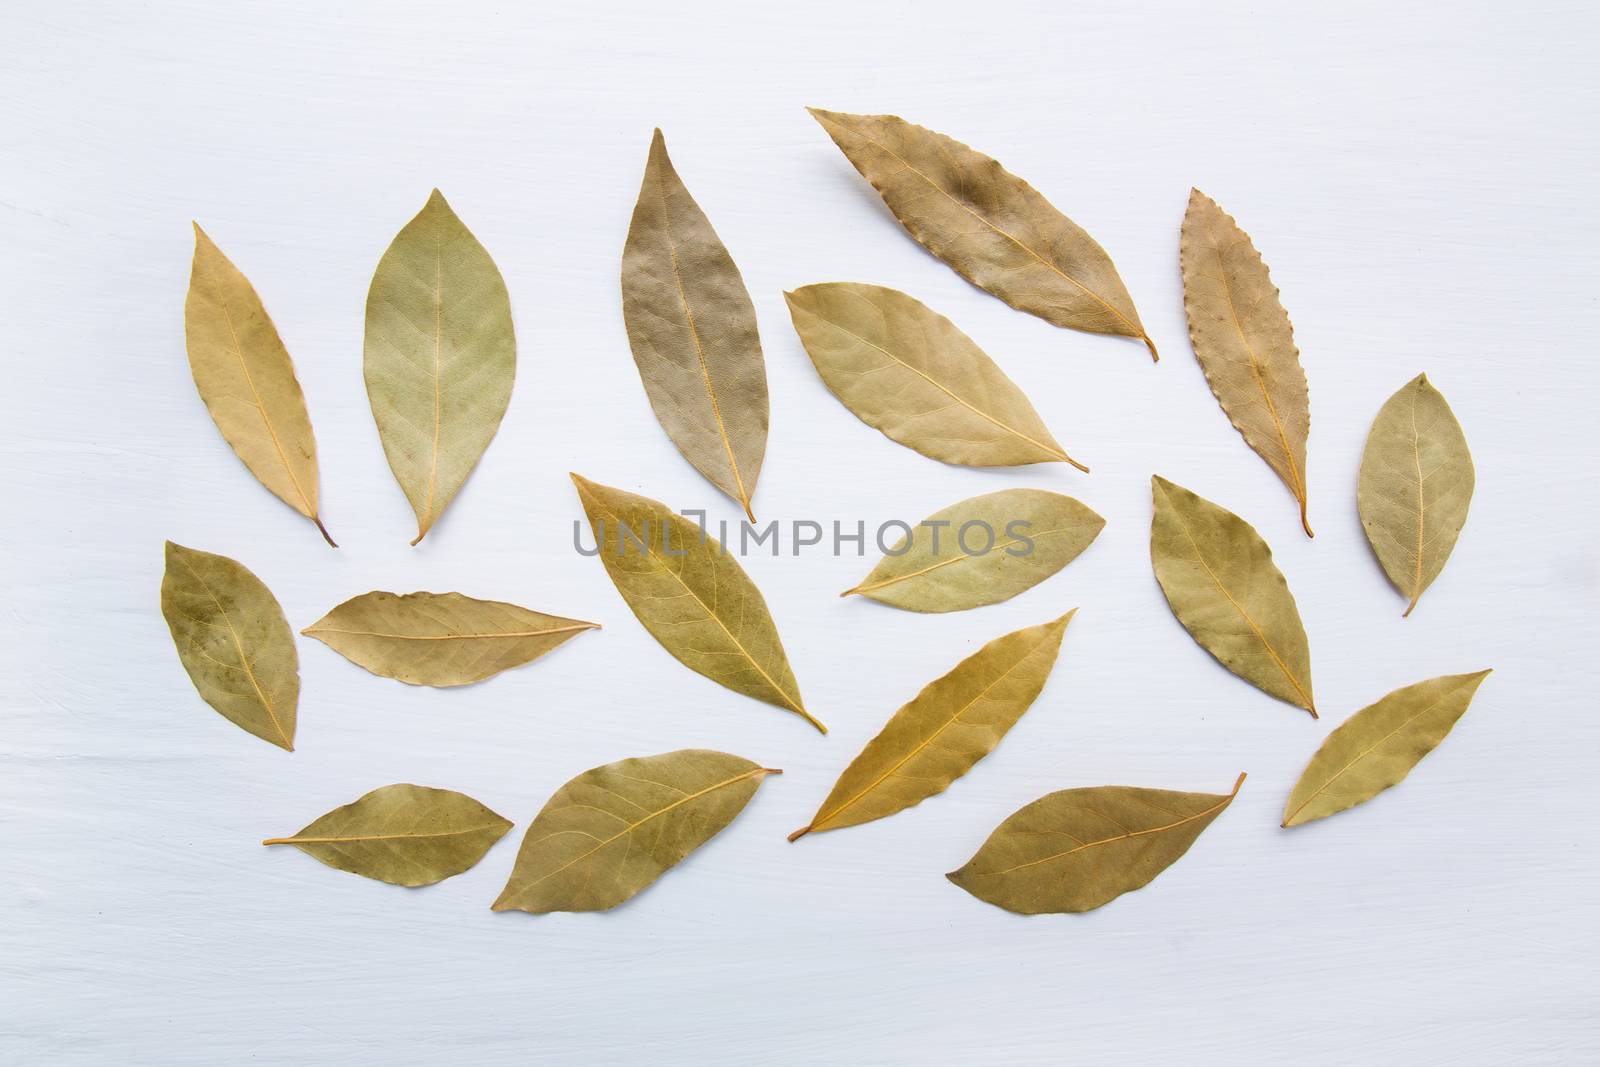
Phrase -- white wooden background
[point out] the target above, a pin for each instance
(1421, 179)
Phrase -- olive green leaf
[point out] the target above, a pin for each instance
(691, 594)
(1244, 342)
(693, 332)
(234, 641)
(1221, 583)
(1415, 486)
(613, 830)
(982, 550)
(946, 729)
(906, 370)
(1377, 746)
(440, 356)
(990, 226)
(247, 380)
(1078, 849)
(439, 639)
(402, 834)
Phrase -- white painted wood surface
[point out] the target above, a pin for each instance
(1421, 180)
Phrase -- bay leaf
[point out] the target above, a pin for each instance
(613, 830)
(440, 356)
(692, 329)
(1377, 746)
(439, 639)
(906, 370)
(247, 380)
(1244, 341)
(233, 640)
(1415, 486)
(407, 835)
(691, 594)
(990, 226)
(1078, 849)
(982, 550)
(1220, 581)
(945, 730)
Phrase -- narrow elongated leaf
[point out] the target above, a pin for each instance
(1244, 342)
(691, 595)
(982, 550)
(1221, 583)
(1377, 746)
(1078, 849)
(247, 380)
(947, 728)
(439, 639)
(613, 830)
(1415, 487)
(693, 332)
(440, 356)
(992, 227)
(234, 641)
(402, 834)
(906, 370)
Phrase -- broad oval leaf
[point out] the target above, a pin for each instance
(402, 834)
(947, 728)
(691, 595)
(1079, 849)
(992, 227)
(906, 370)
(1415, 486)
(613, 830)
(982, 550)
(440, 356)
(439, 639)
(234, 641)
(247, 380)
(692, 329)
(1219, 578)
(1244, 341)
(1377, 746)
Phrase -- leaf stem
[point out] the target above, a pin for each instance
(324, 531)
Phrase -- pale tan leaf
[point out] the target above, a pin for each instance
(613, 830)
(1244, 342)
(439, 639)
(693, 333)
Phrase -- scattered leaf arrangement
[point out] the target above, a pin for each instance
(440, 360)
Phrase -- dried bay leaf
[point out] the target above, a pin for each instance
(1415, 486)
(234, 641)
(906, 370)
(439, 639)
(440, 356)
(1078, 849)
(990, 226)
(1377, 746)
(1017, 539)
(945, 730)
(1220, 581)
(247, 380)
(691, 594)
(1244, 341)
(407, 835)
(692, 329)
(613, 830)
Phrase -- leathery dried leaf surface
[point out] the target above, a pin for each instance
(1220, 581)
(234, 641)
(612, 831)
(407, 835)
(1079, 849)
(947, 728)
(440, 639)
(691, 595)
